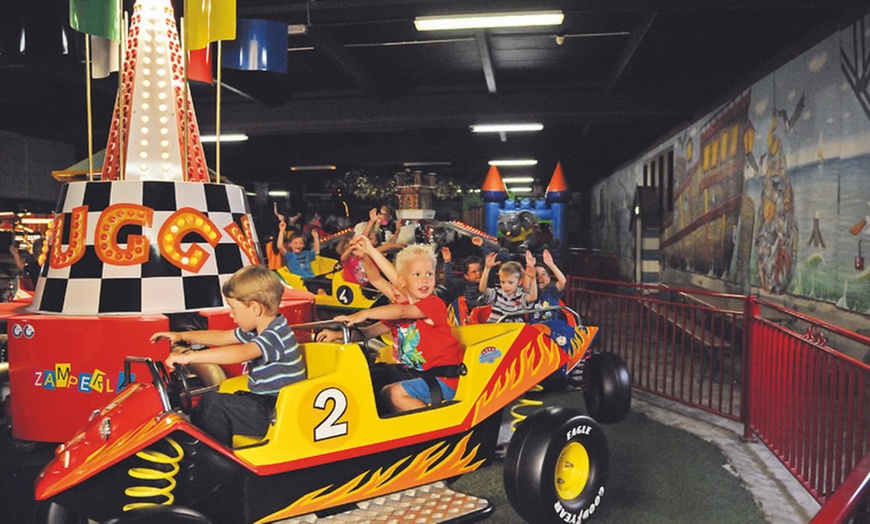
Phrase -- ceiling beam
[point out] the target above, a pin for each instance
(400, 7)
(325, 44)
(640, 28)
(485, 59)
(434, 111)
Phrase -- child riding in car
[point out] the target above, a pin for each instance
(517, 290)
(263, 337)
(550, 288)
(422, 341)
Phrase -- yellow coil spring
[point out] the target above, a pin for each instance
(521, 403)
(152, 474)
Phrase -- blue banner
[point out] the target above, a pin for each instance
(260, 45)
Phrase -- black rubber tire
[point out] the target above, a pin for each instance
(535, 468)
(52, 513)
(557, 381)
(48, 512)
(606, 387)
(161, 515)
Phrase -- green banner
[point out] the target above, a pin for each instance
(96, 17)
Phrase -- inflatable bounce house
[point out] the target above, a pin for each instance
(521, 223)
(145, 248)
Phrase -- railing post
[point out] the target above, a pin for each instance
(751, 309)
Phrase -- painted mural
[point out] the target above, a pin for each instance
(699, 235)
(771, 189)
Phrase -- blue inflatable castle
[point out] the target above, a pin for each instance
(525, 224)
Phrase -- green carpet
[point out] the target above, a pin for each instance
(658, 474)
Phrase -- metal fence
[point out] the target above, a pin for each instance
(676, 344)
(777, 371)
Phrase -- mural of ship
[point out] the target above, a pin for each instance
(701, 233)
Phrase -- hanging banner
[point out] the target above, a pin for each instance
(199, 65)
(261, 45)
(209, 21)
(96, 17)
(104, 56)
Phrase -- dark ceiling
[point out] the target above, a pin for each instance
(366, 91)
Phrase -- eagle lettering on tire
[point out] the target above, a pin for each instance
(556, 467)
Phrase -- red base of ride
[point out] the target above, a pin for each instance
(62, 368)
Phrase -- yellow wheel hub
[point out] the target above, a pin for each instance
(572, 471)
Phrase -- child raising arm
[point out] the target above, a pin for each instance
(422, 341)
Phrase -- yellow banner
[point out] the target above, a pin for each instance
(209, 21)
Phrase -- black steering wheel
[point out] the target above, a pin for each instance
(178, 389)
(367, 352)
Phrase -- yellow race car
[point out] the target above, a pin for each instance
(340, 294)
(140, 459)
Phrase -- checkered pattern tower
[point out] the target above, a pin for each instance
(127, 247)
(157, 236)
(153, 107)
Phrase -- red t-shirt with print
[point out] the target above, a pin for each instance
(421, 345)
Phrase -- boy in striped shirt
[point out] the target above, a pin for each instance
(517, 290)
(263, 337)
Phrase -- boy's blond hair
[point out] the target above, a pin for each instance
(511, 267)
(255, 284)
(414, 250)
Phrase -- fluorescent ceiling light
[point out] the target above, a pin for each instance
(505, 128)
(324, 167)
(518, 180)
(520, 189)
(488, 20)
(279, 193)
(515, 162)
(229, 137)
(424, 164)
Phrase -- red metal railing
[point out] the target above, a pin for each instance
(774, 369)
(676, 343)
(810, 403)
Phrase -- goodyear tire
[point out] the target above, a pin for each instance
(606, 388)
(556, 467)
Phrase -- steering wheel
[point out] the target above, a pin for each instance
(367, 352)
(178, 389)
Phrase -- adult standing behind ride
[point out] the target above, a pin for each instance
(263, 337)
